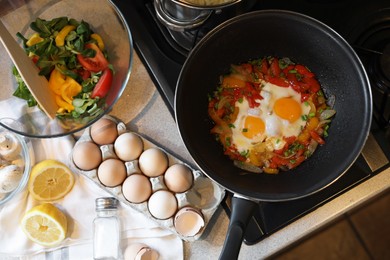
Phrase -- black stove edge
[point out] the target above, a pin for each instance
(260, 227)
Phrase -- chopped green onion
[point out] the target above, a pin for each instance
(228, 141)
(245, 153)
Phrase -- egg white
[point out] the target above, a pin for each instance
(275, 127)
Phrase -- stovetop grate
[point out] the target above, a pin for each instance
(163, 58)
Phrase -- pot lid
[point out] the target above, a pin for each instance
(206, 3)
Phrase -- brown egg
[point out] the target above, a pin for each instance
(104, 131)
(111, 172)
(137, 188)
(86, 156)
(153, 162)
(178, 178)
(128, 146)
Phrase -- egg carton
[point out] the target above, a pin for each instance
(204, 196)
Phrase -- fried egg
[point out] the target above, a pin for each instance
(280, 114)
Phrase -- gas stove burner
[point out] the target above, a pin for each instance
(370, 36)
(379, 74)
(379, 69)
(385, 62)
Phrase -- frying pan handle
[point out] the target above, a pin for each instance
(241, 212)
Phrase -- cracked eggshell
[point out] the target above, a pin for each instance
(139, 251)
(189, 222)
(137, 188)
(111, 172)
(104, 131)
(86, 156)
(128, 146)
(153, 162)
(162, 204)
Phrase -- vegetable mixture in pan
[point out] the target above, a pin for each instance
(270, 114)
(74, 60)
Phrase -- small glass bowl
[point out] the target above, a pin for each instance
(105, 19)
(25, 153)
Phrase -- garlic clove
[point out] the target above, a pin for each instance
(10, 147)
(10, 177)
(18, 161)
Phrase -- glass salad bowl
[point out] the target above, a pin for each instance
(95, 27)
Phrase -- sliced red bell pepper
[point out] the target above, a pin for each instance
(317, 137)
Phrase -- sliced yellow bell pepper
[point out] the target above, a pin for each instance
(63, 104)
(60, 38)
(56, 80)
(65, 88)
(34, 39)
(99, 40)
(70, 89)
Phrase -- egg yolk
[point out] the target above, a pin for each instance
(287, 108)
(253, 126)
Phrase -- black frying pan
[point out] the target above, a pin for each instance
(305, 41)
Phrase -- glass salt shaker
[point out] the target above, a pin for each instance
(106, 229)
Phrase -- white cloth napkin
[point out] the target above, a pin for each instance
(79, 205)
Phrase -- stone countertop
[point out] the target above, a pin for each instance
(143, 110)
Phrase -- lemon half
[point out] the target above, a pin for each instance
(50, 180)
(45, 224)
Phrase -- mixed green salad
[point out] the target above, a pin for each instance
(74, 60)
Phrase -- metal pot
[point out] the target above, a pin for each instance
(183, 15)
(281, 34)
(207, 4)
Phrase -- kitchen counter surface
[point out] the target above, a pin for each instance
(143, 110)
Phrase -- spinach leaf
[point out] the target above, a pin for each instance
(40, 26)
(22, 90)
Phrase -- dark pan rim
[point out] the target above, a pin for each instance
(364, 129)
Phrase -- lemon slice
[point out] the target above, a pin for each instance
(50, 180)
(45, 224)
